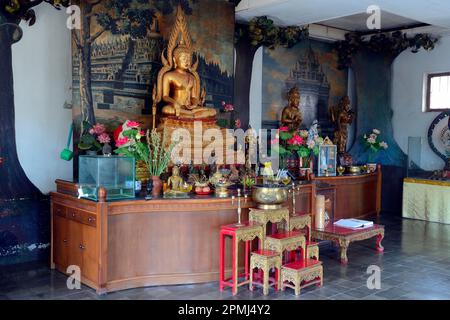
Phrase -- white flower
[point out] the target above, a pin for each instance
(384, 145)
(365, 136)
(376, 131)
(371, 140)
(373, 136)
(311, 144)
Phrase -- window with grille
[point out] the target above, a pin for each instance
(438, 92)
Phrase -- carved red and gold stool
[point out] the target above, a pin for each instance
(247, 232)
(301, 274)
(265, 260)
(289, 242)
(264, 216)
(301, 222)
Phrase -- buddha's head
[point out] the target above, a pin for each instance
(182, 57)
(294, 97)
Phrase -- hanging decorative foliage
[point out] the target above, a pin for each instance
(262, 31)
(389, 44)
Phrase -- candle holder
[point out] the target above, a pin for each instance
(294, 213)
(239, 210)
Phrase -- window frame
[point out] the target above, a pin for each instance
(428, 91)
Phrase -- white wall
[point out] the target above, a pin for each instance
(409, 120)
(42, 81)
(256, 91)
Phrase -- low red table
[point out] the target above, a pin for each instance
(344, 236)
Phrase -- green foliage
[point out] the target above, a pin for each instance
(388, 44)
(13, 11)
(262, 31)
(88, 141)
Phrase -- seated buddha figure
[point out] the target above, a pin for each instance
(181, 89)
(291, 116)
(178, 88)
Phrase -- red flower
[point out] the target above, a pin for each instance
(122, 141)
(284, 129)
(117, 133)
(296, 140)
(132, 124)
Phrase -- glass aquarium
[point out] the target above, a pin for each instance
(115, 173)
(327, 160)
(414, 156)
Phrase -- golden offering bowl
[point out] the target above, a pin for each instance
(221, 190)
(340, 170)
(354, 169)
(286, 181)
(268, 197)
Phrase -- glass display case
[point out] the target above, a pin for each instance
(115, 173)
(327, 159)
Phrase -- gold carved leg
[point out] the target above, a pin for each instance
(252, 266)
(266, 280)
(380, 237)
(297, 284)
(343, 244)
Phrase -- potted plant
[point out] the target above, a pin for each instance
(94, 139)
(373, 144)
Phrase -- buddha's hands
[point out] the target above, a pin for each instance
(177, 107)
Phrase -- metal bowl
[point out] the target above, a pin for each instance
(269, 197)
(354, 170)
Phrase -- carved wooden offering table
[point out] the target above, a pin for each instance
(301, 274)
(344, 236)
(246, 232)
(289, 242)
(264, 216)
(265, 260)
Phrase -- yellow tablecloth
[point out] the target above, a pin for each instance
(426, 200)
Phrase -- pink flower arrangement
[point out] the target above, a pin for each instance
(227, 107)
(98, 129)
(296, 140)
(132, 124)
(104, 138)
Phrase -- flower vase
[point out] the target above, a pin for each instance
(157, 186)
(292, 164)
(371, 164)
(107, 149)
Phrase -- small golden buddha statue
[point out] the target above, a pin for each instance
(175, 182)
(178, 83)
(342, 117)
(291, 116)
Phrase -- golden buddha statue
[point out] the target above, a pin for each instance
(291, 116)
(178, 83)
(175, 182)
(342, 117)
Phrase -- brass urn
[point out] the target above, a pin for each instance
(270, 197)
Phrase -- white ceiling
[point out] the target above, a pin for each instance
(358, 22)
(349, 13)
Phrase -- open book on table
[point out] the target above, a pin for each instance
(353, 223)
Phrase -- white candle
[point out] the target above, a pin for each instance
(320, 212)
